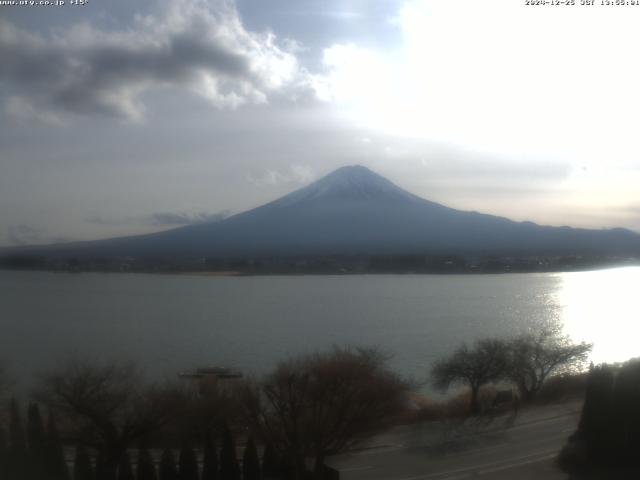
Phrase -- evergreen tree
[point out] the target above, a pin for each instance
(101, 467)
(210, 460)
(168, 469)
(188, 463)
(271, 465)
(82, 468)
(125, 472)
(250, 462)
(608, 433)
(56, 464)
(229, 469)
(17, 461)
(146, 469)
(4, 455)
(595, 425)
(17, 441)
(626, 414)
(37, 443)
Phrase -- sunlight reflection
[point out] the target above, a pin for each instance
(602, 307)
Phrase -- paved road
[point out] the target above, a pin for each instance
(521, 448)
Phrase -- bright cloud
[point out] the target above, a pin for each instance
(553, 84)
(501, 77)
(296, 174)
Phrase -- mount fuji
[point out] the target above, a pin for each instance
(356, 211)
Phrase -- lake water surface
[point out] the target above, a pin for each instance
(172, 322)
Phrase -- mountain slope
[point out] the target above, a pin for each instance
(353, 210)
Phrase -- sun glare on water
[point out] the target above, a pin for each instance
(602, 307)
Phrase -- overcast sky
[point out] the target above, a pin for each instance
(122, 117)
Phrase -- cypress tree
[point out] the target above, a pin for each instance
(146, 469)
(250, 462)
(101, 470)
(17, 461)
(210, 460)
(229, 469)
(4, 455)
(125, 472)
(168, 469)
(188, 463)
(17, 440)
(626, 414)
(82, 468)
(37, 443)
(56, 464)
(270, 463)
(595, 425)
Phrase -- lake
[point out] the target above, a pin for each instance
(169, 323)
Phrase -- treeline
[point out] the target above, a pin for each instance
(121, 427)
(112, 424)
(38, 453)
(316, 264)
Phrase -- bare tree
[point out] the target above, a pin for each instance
(485, 362)
(108, 406)
(205, 412)
(322, 404)
(533, 358)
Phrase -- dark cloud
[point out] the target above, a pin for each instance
(201, 46)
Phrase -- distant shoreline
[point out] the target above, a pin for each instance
(229, 273)
(301, 271)
(326, 264)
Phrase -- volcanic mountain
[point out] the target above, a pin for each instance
(356, 211)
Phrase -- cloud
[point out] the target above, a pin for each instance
(456, 168)
(296, 174)
(18, 235)
(634, 209)
(23, 235)
(160, 219)
(479, 75)
(22, 109)
(169, 218)
(201, 46)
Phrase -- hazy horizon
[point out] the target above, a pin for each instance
(122, 119)
(170, 220)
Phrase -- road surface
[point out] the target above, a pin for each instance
(507, 447)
